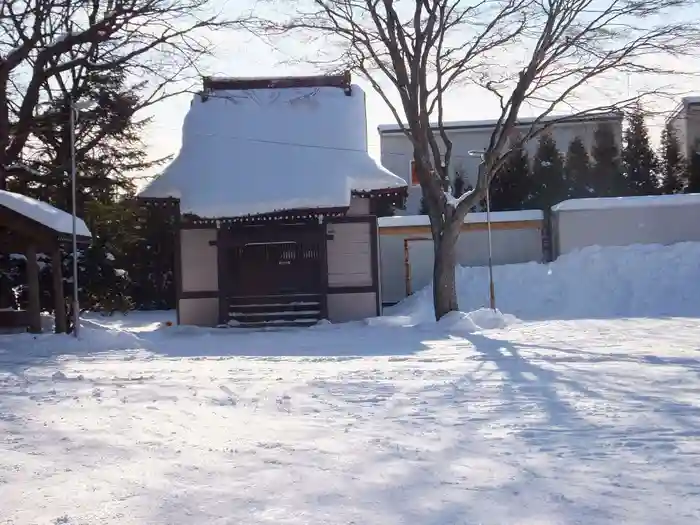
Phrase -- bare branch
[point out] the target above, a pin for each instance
(49, 46)
(523, 52)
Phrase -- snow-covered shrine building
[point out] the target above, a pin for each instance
(277, 200)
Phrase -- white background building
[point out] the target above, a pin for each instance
(686, 121)
(397, 151)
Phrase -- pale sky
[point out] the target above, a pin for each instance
(239, 54)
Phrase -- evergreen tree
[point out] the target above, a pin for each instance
(694, 171)
(109, 147)
(606, 179)
(459, 187)
(673, 166)
(640, 164)
(547, 181)
(115, 241)
(151, 265)
(577, 171)
(108, 150)
(423, 207)
(511, 187)
(385, 209)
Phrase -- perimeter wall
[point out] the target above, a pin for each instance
(406, 247)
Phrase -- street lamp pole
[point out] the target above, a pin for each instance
(76, 301)
(492, 287)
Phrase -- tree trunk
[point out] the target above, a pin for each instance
(59, 298)
(444, 288)
(34, 292)
(4, 125)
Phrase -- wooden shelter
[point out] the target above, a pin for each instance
(277, 200)
(31, 227)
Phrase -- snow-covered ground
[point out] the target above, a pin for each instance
(479, 419)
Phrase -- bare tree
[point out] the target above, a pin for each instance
(524, 52)
(48, 47)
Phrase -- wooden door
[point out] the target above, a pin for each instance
(284, 262)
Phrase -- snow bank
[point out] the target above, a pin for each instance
(43, 213)
(453, 323)
(259, 151)
(49, 345)
(481, 319)
(612, 282)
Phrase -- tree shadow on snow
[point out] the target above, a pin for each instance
(572, 392)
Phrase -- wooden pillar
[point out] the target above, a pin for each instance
(33, 286)
(323, 245)
(59, 297)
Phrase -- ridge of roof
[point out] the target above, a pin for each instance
(217, 83)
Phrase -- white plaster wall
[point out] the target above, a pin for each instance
(199, 261)
(692, 129)
(624, 226)
(199, 312)
(358, 206)
(508, 247)
(344, 307)
(349, 254)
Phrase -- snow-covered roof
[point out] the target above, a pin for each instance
(43, 213)
(643, 201)
(496, 216)
(17, 166)
(464, 125)
(693, 99)
(256, 151)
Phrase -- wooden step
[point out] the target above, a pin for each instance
(280, 298)
(272, 308)
(290, 323)
(262, 317)
(292, 310)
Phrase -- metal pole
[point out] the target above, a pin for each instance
(492, 289)
(76, 301)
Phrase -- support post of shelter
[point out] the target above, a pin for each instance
(33, 288)
(59, 297)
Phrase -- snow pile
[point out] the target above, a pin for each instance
(611, 282)
(248, 152)
(93, 340)
(43, 213)
(454, 323)
(126, 335)
(476, 321)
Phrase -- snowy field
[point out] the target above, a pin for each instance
(480, 419)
